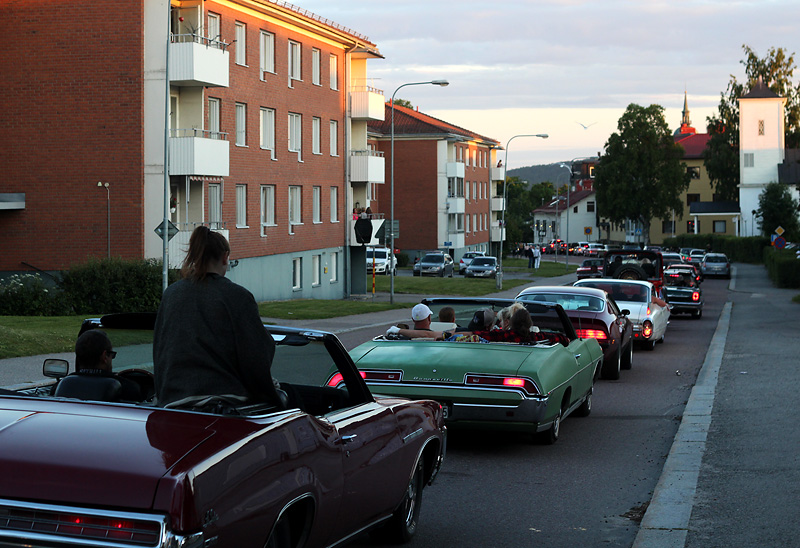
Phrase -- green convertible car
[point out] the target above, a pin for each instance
(523, 387)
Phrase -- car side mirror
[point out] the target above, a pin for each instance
(55, 368)
(625, 312)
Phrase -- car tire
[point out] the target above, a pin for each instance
(441, 273)
(550, 436)
(649, 345)
(585, 409)
(631, 273)
(627, 358)
(403, 524)
(611, 368)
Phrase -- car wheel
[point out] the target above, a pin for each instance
(550, 436)
(631, 273)
(627, 358)
(611, 367)
(403, 523)
(441, 273)
(585, 408)
(663, 338)
(649, 345)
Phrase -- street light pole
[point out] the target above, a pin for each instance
(499, 277)
(108, 214)
(440, 83)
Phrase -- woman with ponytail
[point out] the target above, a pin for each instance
(210, 345)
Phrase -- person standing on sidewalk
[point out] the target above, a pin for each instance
(537, 256)
(530, 255)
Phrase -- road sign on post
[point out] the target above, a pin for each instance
(172, 230)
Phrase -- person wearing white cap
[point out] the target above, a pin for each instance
(421, 315)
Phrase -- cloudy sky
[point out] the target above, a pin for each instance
(548, 66)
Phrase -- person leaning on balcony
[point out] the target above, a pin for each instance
(211, 350)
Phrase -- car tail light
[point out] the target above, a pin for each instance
(647, 329)
(516, 383)
(598, 334)
(649, 311)
(337, 379)
(383, 376)
(696, 296)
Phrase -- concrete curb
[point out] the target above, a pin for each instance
(666, 522)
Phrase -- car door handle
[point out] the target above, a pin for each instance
(577, 356)
(349, 439)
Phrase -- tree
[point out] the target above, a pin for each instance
(641, 175)
(722, 152)
(404, 103)
(520, 203)
(776, 207)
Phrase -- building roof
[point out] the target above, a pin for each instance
(693, 144)
(760, 91)
(574, 198)
(714, 208)
(412, 122)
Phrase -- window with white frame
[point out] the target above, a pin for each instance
(215, 206)
(316, 59)
(241, 125)
(334, 138)
(720, 227)
(466, 224)
(295, 205)
(214, 32)
(466, 191)
(334, 266)
(316, 135)
(241, 206)
(267, 51)
(213, 118)
(316, 269)
(295, 134)
(317, 204)
(475, 222)
(267, 130)
(475, 190)
(297, 273)
(241, 43)
(334, 72)
(267, 207)
(749, 159)
(334, 204)
(294, 62)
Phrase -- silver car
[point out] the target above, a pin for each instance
(716, 264)
(482, 267)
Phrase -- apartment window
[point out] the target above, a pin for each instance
(267, 50)
(213, 118)
(316, 269)
(466, 191)
(694, 172)
(761, 127)
(591, 172)
(241, 206)
(317, 204)
(334, 138)
(316, 57)
(334, 266)
(334, 204)
(295, 205)
(215, 206)
(214, 32)
(241, 43)
(475, 226)
(267, 207)
(334, 72)
(455, 187)
(474, 190)
(267, 125)
(466, 224)
(749, 159)
(295, 134)
(719, 227)
(294, 62)
(691, 198)
(241, 125)
(297, 273)
(466, 156)
(316, 137)
(668, 227)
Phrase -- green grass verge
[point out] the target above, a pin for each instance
(33, 335)
(313, 309)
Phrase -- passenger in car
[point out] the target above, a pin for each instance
(94, 355)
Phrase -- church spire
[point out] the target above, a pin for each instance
(686, 124)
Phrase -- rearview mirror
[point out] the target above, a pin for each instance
(55, 368)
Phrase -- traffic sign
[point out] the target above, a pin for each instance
(779, 231)
(587, 230)
(779, 243)
(172, 230)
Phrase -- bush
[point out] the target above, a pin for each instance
(114, 285)
(738, 249)
(28, 295)
(783, 267)
(402, 259)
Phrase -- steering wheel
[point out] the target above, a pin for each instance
(145, 380)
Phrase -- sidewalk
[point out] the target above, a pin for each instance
(731, 477)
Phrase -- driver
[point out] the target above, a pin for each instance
(93, 356)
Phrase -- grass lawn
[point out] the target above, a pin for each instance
(32, 335)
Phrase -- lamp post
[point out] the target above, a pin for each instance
(499, 277)
(108, 214)
(440, 83)
(569, 189)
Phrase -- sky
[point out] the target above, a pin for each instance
(521, 67)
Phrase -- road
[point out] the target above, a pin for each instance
(590, 488)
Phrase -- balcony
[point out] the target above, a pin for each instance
(198, 61)
(498, 173)
(367, 166)
(199, 152)
(498, 233)
(455, 169)
(377, 221)
(179, 244)
(498, 203)
(456, 204)
(367, 103)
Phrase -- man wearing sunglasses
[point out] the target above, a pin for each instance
(94, 355)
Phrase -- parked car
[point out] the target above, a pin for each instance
(593, 315)
(590, 268)
(482, 267)
(82, 472)
(466, 258)
(716, 264)
(683, 293)
(380, 257)
(649, 319)
(434, 264)
(523, 387)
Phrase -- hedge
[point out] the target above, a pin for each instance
(783, 267)
(738, 249)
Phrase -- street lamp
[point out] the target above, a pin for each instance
(569, 189)
(108, 214)
(440, 83)
(499, 277)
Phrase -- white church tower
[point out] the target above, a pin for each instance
(761, 144)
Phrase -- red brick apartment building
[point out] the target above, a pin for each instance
(265, 126)
(446, 192)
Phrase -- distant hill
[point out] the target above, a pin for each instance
(534, 175)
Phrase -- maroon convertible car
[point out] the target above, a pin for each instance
(323, 467)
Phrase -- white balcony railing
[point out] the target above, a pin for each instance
(455, 169)
(498, 173)
(367, 166)
(498, 234)
(497, 203)
(456, 205)
(198, 61)
(367, 103)
(199, 152)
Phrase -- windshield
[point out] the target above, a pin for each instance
(378, 254)
(716, 259)
(569, 301)
(433, 259)
(621, 292)
(483, 261)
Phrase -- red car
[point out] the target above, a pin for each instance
(590, 268)
(327, 464)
